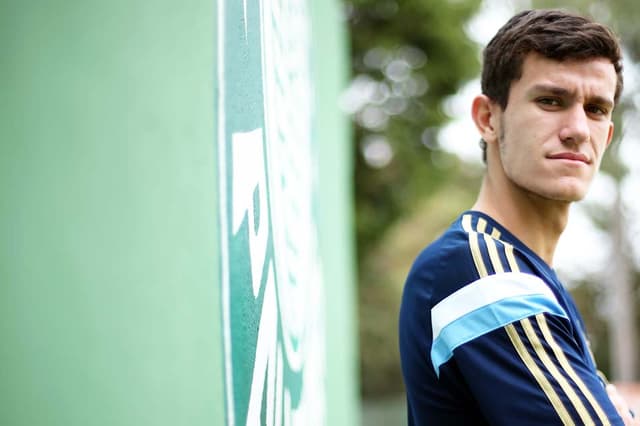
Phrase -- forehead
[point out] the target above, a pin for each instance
(589, 77)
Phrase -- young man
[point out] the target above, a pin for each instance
(488, 334)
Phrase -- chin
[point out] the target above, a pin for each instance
(567, 190)
(569, 196)
(565, 195)
(573, 199)
(571, 190)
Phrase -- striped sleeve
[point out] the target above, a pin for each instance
(512, 342)
(485, 305)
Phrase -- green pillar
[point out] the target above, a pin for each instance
(286, 241)
(121, 214)
(109, 310)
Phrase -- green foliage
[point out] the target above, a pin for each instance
(409, 56)
(383, 273)
(588, 298)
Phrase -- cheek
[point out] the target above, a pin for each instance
(522, 140)
(599, 141)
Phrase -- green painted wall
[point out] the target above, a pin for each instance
(330, 58)
(108, 274)
(111, 256)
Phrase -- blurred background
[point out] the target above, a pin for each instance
(415, 67)
(117, 178)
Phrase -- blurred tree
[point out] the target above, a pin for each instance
(407, 57)
(384, 271)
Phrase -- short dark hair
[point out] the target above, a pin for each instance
(552, 33)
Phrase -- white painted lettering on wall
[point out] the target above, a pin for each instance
(288, 89)
(248, 178)
(274, 321)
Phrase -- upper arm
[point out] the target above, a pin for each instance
(513, 344)
(533, 370)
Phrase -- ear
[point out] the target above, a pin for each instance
(485, 112)
(610, 135)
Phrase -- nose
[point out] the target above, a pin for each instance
(575, 128)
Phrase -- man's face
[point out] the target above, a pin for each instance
(556, 126)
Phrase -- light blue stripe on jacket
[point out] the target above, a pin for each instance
(486, 305)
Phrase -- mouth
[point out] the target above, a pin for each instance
(570, 156)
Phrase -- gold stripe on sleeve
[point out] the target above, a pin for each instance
(466, 223)
(526, 357)
(521, 349)
(475, 247)
(551, 367)
(562, 359)
(495, 233)
(508, 250)
(539, 375)
(493, 254)
(477, 256)
(482, 225)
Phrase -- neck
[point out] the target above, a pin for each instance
(535, 221)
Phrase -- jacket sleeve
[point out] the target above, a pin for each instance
(512, 342)
(532, 370)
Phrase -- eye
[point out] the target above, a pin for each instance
(547, 102)
(596, 110)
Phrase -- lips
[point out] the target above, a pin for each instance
(572, 156)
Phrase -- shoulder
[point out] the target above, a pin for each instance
(469, 250)
(443, 266)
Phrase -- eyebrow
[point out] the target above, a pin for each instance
(561, 91)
